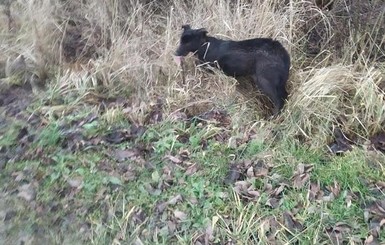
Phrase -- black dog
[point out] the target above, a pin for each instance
(265, 60)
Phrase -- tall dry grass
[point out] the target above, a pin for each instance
(127, 47)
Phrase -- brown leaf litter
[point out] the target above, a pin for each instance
(156, 114)
(219, 118)
(182, 162)
(315, 193)
(301, 175)
(117, 136)
(180, 216)
(171, 202)
(378, 142)
(246, 190)
(374, 214)
(339, 233)
(27, 192)
(275, 194)
(247, 169)
(242, 174)
(291, 223)
(124, 154)
(341, 142)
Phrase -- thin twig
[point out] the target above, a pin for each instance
(183, 72)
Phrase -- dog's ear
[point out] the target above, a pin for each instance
(186, 27)
(202, 31)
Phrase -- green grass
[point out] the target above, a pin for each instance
(108, 204)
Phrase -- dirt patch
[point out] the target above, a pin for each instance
(82, 41)
(15, 100)
(13, 111)
(339, 24)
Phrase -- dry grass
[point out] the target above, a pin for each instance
(126, 48)
(90, 52)
(338, 95)
(142, 38)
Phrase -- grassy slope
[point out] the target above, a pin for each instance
(116, 150)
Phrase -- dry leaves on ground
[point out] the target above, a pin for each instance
(301, 175)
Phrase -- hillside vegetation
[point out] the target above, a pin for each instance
(105, 140)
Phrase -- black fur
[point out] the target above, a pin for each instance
(265, 60)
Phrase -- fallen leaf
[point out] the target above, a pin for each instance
(380, 184)
(246, 191)
(184, 154)
(253, 193)
(192, 169)
(328, 198)
(153, 191)
(335, 189)
(174, 200)
(139, 217)
(290, 223)
(178, 116)
(232, 175)
(129, 176)
(247, 163)
(75, 182)
(217, 117)
(171, 226)
(277, 191)
(375, 227)
(341, 143)
(301, 175)
(377, 209)
(268, 188)
(382, 222)
(242, 185)
(27, 192)
(180, 215)
(348, 202)
(174, 159)
(272, 202)
(381, 207)
(261, 169)
(250, 172)
(117, 136)
(371, 240)
(161, 207)
(339, 233)
(155, 115)
(122, 155)
(19, 176)
(342, 227)
(209, 233)
(193, 200)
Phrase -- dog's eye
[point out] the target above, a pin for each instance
(186, 38)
